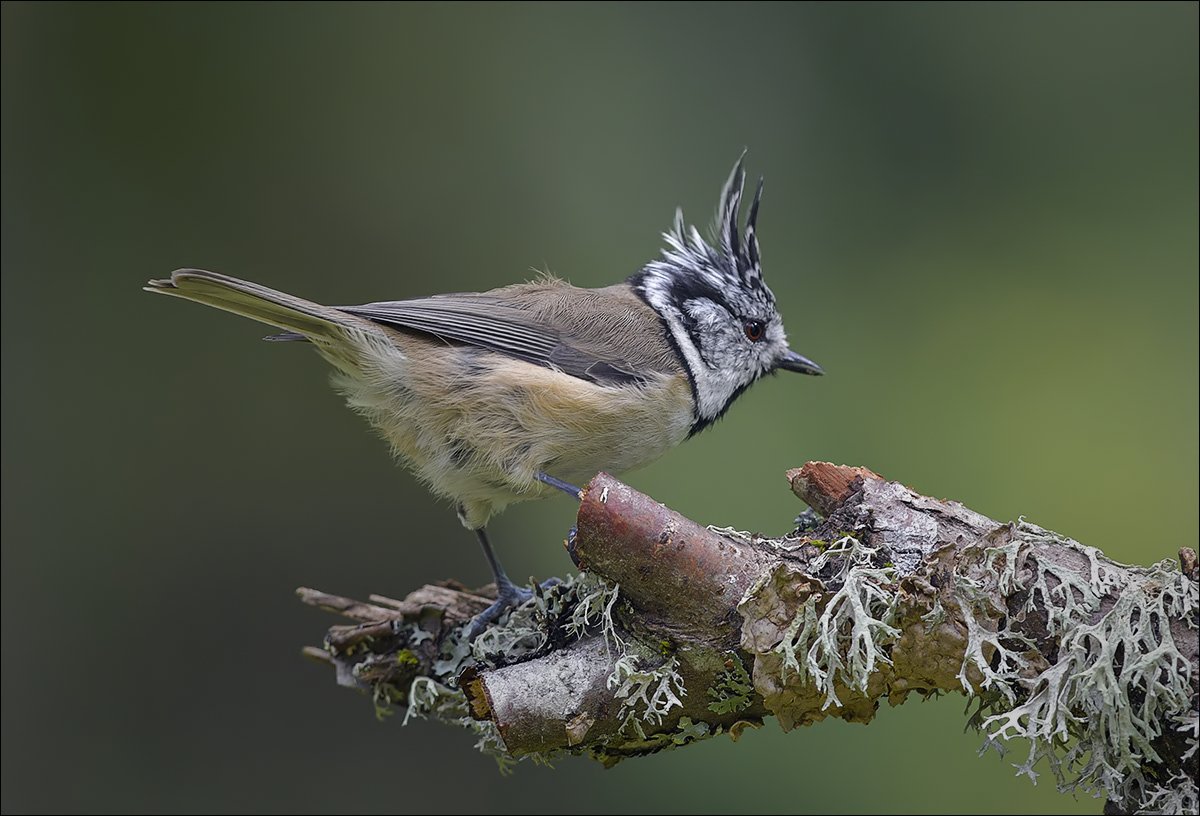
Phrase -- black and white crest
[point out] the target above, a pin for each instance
(717, 311)
(728, 256)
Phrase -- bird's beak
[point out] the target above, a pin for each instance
(797, 362)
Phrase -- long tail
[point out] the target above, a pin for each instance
(322, 324)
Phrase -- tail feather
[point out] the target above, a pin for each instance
(278, 309)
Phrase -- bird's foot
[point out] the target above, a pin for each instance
(808, 520)
(509, 596)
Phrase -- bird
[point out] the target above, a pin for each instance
(503, 396)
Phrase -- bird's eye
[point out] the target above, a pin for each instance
(753, 329)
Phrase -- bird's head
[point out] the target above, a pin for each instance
(718, 312)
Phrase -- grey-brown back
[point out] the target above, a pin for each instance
(608, 336)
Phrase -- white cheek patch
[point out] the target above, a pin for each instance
(722, 367)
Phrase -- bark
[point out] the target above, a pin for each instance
(681, 632)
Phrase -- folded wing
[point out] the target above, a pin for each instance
(490, 323)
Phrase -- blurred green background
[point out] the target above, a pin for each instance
(981, 219)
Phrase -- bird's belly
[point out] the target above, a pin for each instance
(481, 435)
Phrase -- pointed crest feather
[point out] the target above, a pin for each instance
(726, 227)
(729, 253)
(751, 226)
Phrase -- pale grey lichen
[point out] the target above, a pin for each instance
(415, 634)
(1073, 594)
(1189, 723)
(936, 616)
(526, 629)
(1117, 679)
(577, 604)
(1054, 643)
(845, 639)
(595, 602)
(454, 652)
(998, 666)
(646, 695)
(738, 535)
(429, 698)
(655, 692)
(1178, 795)
(520, 634)
(574, 608)
(784, 543)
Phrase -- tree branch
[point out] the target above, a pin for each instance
(676, 632)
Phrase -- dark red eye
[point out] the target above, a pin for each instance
(754, 330)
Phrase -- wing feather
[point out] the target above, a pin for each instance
(490, 323)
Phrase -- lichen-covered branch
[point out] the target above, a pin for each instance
(675, 632)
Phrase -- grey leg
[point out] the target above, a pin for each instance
(508, 595)
(498, 573)
(566, 487)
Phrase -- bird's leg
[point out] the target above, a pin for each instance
(566, 487)
(508, 595)
(504, 585)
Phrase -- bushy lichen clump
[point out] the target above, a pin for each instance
(577, 604)
(429, 698)
(648, 686)
(848, 636)
(594, 609)
(1096, 713)
(822, 632)
(1061, 646)
(648, 694)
